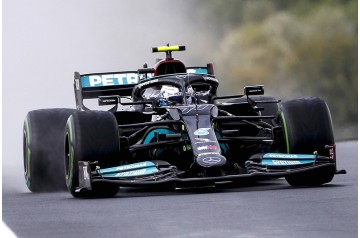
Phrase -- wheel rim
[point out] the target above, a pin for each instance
(25, 152)
(67, 155)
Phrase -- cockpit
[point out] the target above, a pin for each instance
(170, 95)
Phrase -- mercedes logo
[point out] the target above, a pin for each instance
(211, 160)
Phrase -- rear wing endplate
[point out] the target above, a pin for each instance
(88, 86)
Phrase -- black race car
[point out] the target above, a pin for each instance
(166, 126)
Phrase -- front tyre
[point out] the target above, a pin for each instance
(43, 149)
(91, 136)
(307, 128)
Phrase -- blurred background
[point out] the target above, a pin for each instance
(295, 48)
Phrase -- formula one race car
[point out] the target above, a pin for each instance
(166, 126)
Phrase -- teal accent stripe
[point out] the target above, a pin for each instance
(128, 167)
(132, 173)
(103, 80)
(289, 156)
(280, 162)
(197, 71)
(279, 159)
(151, 135)
(223, 146)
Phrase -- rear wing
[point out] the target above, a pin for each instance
(201, 70)
(88, 86)
(95, 85)
(147, 73)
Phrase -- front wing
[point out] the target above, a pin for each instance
(159, 173)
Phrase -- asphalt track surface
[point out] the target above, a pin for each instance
(268, 209)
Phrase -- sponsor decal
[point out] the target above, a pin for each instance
(332, 151)
(131, 173)
(202, 140)
(288, 156)
(191, 71)
(202, 148)
(109, 100)
(186, 147)
(286, 162)
(202, 132)
(254, 90)
(187, 109)
(197, 71)
(85, 173)
(109, 80)
(209, 153)
(147, 83)
(131, 166)
(135, 166)
(208, 147)
(77, 84)
(282, 156)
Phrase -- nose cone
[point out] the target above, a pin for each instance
(210, 160)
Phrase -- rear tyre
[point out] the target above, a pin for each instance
(43, 149)
(307, 128)
(91, 136)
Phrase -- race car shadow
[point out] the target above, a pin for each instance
(228, 187)
(274, 184)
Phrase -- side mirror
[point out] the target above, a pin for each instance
(254, 90)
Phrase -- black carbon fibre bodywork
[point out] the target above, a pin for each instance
(195, 136)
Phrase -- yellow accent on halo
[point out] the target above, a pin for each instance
(167, 48)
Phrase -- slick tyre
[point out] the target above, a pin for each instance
(307, 129)
(43, 149)
(91, 136)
